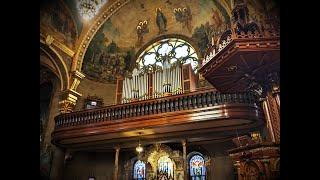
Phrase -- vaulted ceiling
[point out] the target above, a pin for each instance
(198, 20)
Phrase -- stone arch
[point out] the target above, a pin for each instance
(56, 64)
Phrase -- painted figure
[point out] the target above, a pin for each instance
(142, 29)
(161, 21)
(184, 16)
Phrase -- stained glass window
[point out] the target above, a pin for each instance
(197, 168)
(139, 170)
(170, 51)
(165, 167)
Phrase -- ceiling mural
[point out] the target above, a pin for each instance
(112, 50)
(56, 19)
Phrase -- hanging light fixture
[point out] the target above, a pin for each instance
(139, 148)
(89, 8)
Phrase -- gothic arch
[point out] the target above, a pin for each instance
(167, 36)
(60, 68)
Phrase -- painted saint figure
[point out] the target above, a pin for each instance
(161, 21)
(142, 29)
(184, 16)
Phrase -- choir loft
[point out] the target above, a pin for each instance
(159, 90)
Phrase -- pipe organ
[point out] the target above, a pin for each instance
(159, 83)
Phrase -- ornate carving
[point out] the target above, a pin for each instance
(68, 101)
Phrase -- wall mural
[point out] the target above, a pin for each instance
(57, 20)
(112, 50)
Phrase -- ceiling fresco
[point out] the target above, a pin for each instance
(112, 50)
(56, 19)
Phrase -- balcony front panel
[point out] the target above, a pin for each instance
(180, 115)
(242, 59)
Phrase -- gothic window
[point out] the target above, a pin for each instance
(165, 168)
(139, 170)
(168, 52)
(197, 168)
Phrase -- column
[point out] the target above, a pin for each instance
(68, 100)
(276, 94)
(185, 166)
(57, 164)
(116, 163)
(237, 165)
(268, 119)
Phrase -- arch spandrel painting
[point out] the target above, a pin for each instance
(139, 22)
(58, 20)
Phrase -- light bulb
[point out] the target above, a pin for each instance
(139, 148)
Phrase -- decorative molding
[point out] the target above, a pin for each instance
(50, 41)
(68, 100)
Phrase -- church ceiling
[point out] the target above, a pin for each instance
(57, 19)
(113, 49)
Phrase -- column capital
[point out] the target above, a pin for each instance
(68, 99)
(184, 142)
(117, 147)
(237, 164)
(78, 74)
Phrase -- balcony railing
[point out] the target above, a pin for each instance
(231, 36)
(193, 100)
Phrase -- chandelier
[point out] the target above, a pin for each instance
(139, 148)
(89, 8)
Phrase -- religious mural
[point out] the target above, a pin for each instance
(56, 19)
(136, 24)
(139, 22)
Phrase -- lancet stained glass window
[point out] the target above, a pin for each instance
(139, 170)
(165, 167)
(197, 168)
(170, 50)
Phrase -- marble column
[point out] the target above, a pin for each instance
(57, 164)
(185, 166)
(116, 163)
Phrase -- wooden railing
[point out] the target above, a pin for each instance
(198, 99)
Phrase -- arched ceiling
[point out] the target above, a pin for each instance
(114, 31)
(198, 20)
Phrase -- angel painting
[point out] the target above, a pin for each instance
(184, 16)
(142, 29)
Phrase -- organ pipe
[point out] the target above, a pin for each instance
(166, 80)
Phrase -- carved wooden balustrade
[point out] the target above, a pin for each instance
(263, 39)
(204, 114)
(241, 58)
(154, 106)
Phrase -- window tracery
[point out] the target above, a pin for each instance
(139, 170)
(167, 52)
(197, 168)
